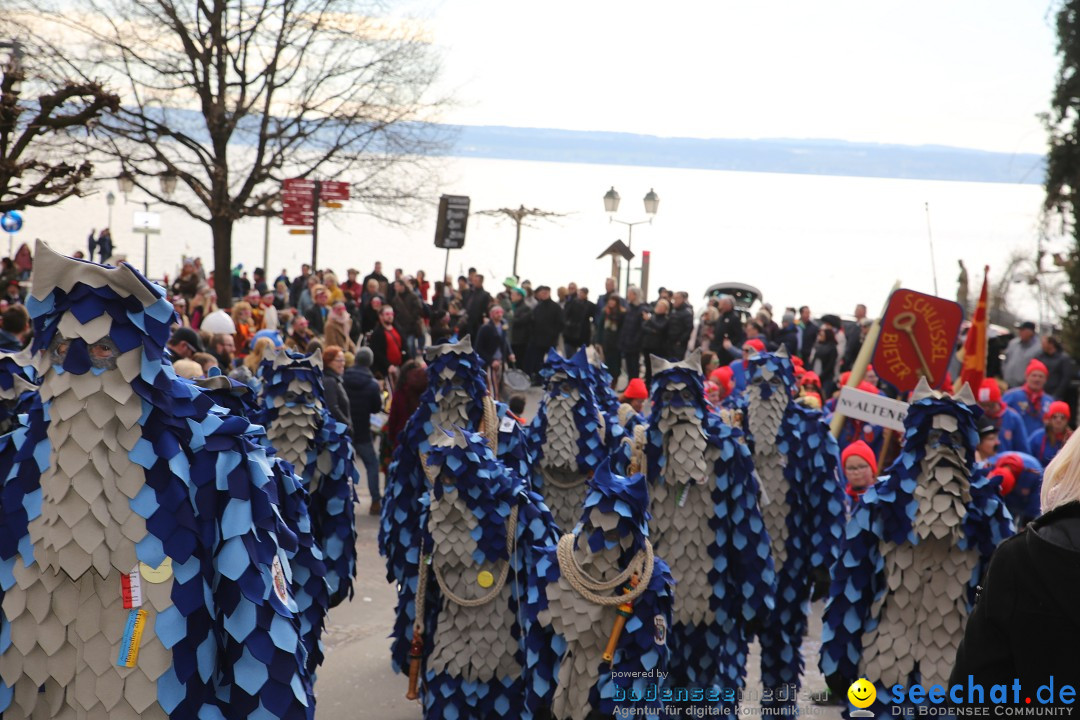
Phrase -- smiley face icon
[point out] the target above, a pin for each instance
(862, 693)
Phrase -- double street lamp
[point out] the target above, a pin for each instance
(125, 181)
(611, 206)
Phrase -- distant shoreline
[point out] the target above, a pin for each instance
(799, 157)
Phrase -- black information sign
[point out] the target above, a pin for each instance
(453, 217)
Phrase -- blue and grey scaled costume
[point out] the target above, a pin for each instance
(480, 530)
(456, 397)
(571, 436)
(125, 476)
(309, 585)
(914, 553)
(797, 462)
(318, 447)
(574, 598)
(707, 525)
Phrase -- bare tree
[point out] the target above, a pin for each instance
(37, 115)
(520, 217)
(234, 96)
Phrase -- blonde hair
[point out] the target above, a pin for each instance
(1061, 479)
(188, 368)
(251, 362)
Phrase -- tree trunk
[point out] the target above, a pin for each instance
(221, 228)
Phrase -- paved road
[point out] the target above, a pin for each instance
(355, 680)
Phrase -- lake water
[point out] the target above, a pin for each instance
(828, 242)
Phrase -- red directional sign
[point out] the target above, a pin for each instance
(298, 199)
(918, 337)
(334, 190)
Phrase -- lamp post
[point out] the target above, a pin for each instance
(110, 200)
(125, 181)
(611, 206)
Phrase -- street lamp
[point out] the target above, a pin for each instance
(110, 200)
(125, 182)
(611, 206)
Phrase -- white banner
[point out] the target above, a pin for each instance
(874, 409)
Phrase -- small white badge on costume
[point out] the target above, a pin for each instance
(281, 588)
(507, 424)
(660, 630)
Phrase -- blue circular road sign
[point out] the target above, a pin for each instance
(11, 221)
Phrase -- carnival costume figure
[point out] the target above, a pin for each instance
(707, 524)
(127, 496)
(915, 551)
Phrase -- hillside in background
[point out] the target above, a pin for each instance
(807, 157)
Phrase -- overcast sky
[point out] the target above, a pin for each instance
(969, 73)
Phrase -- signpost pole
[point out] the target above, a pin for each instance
(446, 265)
(266, 245)
(146, 245)
(316, 192)
(862, 360)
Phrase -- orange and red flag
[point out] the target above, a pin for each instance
(974, 368)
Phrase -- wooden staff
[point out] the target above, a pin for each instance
(416, 654)
(416, 649)
(623, 613)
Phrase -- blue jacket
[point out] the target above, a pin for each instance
(1043, 448)
(1032, 415)
(1012, 434)
(364, 400)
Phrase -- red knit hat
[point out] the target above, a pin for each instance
(797, 361)
(809, 377)
(722, 375)
(636, 390)
(861, 450)
(989, 391)
(1058, 407)
(1007, 477)
(867, 387)
(1036, 365)
(755, 343)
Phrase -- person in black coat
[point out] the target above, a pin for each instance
(823, 360)
(365, 400)
(808, 332)
(579, 312)
(729, 326)
(631, 334)
(1024, 625)
(788, 337)
(547, 325)
(520, 324)
(477, 305)
(680, 326)
(1060, 367)
(654, 336)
